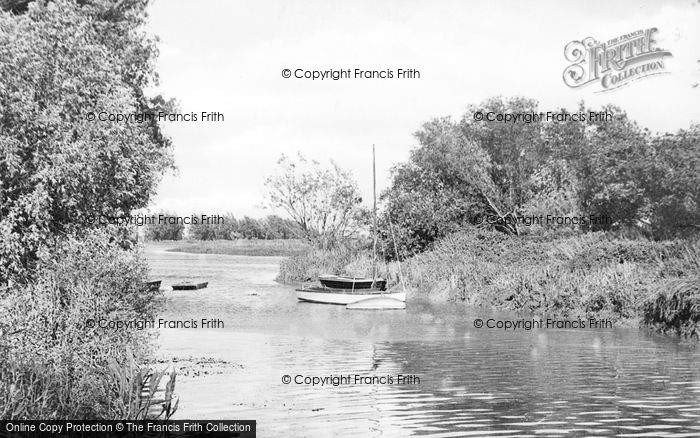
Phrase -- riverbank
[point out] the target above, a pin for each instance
(595, 275)
(487, 381)
(242, 247)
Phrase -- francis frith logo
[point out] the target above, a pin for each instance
(614, 63)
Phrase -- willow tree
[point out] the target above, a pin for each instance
(324, 201)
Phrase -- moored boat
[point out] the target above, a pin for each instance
(341, 282)
(190, 286)
(338, 289)
(343, 296)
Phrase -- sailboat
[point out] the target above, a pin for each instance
(338, 289)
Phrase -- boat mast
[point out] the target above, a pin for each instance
(374, 217)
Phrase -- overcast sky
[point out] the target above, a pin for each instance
(228, 56)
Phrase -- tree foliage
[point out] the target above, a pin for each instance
(324, 201)
(610, 169)
(59, 62)
(267, 228)
(440, 189)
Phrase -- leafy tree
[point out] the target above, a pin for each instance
(324, 201)
(61, 61)
(610, 169)
(515, 149)
(671, 181)
(439, 190)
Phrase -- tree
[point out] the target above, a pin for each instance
(610, 169)
(324, 201)
(441, 189)
(59, 63)
(671, 182)
(514, 149)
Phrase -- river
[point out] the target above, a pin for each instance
(457, 380)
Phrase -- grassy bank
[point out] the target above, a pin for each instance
(279, 247)
(57, 361)
(590, 275)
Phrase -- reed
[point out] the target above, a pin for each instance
(56, 363)
(676, 308)
(596, 275)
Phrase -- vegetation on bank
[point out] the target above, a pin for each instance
(279, 247)
(64, 62)
(271, 227)
(59, 360)
(596, 275)
(553, 218)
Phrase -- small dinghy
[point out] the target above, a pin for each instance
(153, 285)
(190, 286)
(378, 303)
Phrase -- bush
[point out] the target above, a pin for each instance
(56, 363)
(594, 274)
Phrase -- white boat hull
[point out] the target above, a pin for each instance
(378, 303)
(327, 297)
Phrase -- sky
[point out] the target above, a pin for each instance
(227, 56)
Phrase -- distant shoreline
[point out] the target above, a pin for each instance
(240, 247)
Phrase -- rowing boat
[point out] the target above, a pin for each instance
(190, 286)
(340, 282)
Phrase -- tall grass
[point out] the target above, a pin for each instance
(278, 247)
(593, 274)
(589, 275)
(56, 362)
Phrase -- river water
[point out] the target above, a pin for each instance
(458, 380)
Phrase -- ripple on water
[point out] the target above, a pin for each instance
(472, 383)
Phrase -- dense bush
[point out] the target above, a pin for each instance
(62, 62)
(592, 274)
(57, 363)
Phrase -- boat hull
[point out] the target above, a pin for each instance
(190, 286)
(328, 296)
(338, 282)
(378, 303)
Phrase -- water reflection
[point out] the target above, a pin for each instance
(472, 382)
